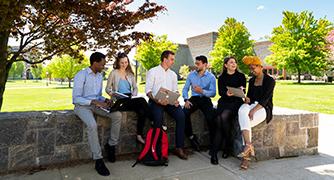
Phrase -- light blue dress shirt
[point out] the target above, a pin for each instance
(207, 82)
(87, 87)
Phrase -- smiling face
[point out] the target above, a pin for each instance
(170, 60)
(231, 65)
(255, 69)
(99, 66)
(123, 63)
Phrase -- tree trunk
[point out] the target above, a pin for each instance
(69, 82)
(4, 64)
(298, 76)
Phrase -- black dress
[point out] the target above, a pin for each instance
(227, 110)
(230, 102)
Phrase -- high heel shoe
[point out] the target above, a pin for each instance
(245, 163)
(246, 156)
(248, 151)
(140, 139)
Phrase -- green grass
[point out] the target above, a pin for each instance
(32, 95)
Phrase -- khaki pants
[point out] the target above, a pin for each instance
(86, 114)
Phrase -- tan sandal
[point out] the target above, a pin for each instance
(248, 151)
(245, 163)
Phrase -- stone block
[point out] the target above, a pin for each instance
(306, 120)
(312, 140)
(128, 145)
(290, 118)
(261, 154)
(46, 142)
(293, 129)
(279, 133)
(294, 145)
(42, 120)
(257, 138)
(80, 151)
(31, 137)
(268, 138)
(3, 159)
(12, 132)
(22, 156)
(274, 152)
(69, 133)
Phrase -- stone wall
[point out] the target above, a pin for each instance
(33, 139)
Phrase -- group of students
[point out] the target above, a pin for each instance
(251, 110)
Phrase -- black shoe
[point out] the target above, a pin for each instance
(110, 153)
(194, 143)
(214, 159)
(101, 168)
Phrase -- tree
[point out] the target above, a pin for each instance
(16, 70)
(47, 28)
(36, 71)
(299, 44)
(65, 67)
(148, 52)
(233, 40)
(184, 71)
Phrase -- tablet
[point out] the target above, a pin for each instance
(167, 94)
(236, 92)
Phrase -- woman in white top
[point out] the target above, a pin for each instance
(122, 80)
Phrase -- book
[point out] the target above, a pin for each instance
(119, 95)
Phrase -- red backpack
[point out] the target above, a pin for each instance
(155, 152)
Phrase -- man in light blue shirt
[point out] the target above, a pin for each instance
(88, 100)
(203, 87)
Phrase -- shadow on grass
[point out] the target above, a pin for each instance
(61, 88)
(307, 83)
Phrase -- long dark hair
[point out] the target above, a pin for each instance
(118, 59)
(226, 59)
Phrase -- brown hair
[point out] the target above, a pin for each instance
(118, 59)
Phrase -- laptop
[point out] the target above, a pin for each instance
(167, 94)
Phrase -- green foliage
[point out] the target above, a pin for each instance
(233, 40)
(16, 70)
(36, 71)
(299, 44)
(184, 71)
(48, 28)
(65, 67)
(148, 52)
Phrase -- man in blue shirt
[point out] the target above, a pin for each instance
(203, 86)
(88, 100)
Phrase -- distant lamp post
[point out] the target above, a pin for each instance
(47, 78)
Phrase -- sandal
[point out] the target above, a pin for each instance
(248, 151)
(245, 163)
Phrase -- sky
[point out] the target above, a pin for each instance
(187, 18)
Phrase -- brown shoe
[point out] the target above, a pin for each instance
(179, 152)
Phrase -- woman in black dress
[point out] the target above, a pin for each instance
(228, 106)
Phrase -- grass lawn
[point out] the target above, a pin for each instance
(32, 95)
